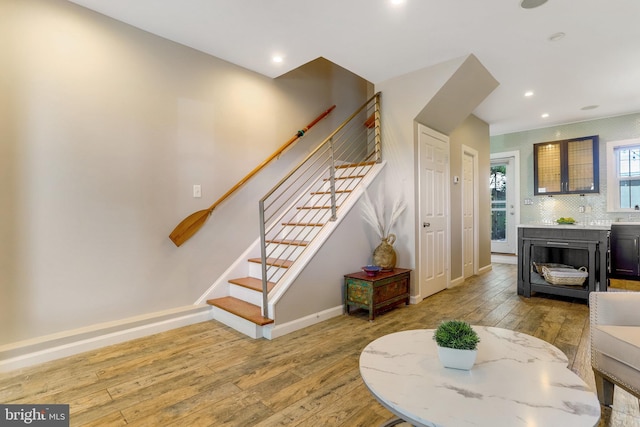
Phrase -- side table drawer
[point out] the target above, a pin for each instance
(358, 292)
(391, 289)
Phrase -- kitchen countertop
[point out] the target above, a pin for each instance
(574, 226)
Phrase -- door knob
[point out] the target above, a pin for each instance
(426, 224)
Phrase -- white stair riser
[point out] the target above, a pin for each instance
(299, 232)
(238, 323)
(356, 170)
(342, 184)
(313, 215)
(324, 199)
(273, 273)
(246, 294)
(281, 251)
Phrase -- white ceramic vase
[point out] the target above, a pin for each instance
(457, 359)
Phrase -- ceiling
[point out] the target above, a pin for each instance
(596, 63)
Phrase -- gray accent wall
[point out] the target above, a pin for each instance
(547, 209)
(473, 133)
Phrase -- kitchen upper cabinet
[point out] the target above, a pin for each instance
(566, 167)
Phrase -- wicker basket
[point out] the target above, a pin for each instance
(537, 266)
(565, 276)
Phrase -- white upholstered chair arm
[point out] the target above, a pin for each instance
(615, 308)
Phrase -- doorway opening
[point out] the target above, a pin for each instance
(504, 184)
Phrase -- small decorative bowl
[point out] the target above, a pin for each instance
(371, 270)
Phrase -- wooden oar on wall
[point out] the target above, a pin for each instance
(191, 224)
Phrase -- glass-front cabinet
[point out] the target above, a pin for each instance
(566, 167)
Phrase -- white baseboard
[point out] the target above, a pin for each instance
(50, 347)
(271, 332)
(456, 282)
(485, 269)
(504, 259)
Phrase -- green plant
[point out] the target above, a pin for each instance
(456, 334)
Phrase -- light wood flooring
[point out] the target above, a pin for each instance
(209, 375)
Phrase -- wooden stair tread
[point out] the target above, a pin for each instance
(242, 309)
(304, 224)
(345, 177)
(276, 262)
(352, 165)
(315, 193)
(315, 207)
(252, 283)
(289, 242)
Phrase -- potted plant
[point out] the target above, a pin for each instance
(457, 344)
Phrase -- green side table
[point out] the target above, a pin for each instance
(384, 291)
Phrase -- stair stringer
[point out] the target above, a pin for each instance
(240, 268)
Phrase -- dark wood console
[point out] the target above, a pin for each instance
(570, 245)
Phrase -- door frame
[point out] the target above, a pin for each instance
(515, 155)
(418, 127)
(466, 150)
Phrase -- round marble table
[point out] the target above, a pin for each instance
(517, 380)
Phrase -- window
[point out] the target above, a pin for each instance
(623, 175)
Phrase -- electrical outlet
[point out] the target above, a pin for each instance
(197, 191)
(581, 209)
(528, 201)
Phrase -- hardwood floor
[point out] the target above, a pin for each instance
(209, 375)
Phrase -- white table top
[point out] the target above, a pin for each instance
(517, 380)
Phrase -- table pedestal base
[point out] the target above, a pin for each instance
(395, 421)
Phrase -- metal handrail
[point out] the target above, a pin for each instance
(356, 143)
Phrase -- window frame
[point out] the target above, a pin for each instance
(565, 167)
(613, 183)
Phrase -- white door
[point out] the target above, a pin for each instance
(469, 207)
(434, 211)
(502, 183)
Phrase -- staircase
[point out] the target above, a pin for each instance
(293, 215)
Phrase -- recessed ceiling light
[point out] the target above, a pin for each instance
(589, 107)
(556, 36)
(397, 2)
(277, 59)
(531, 4)
(528, 93)
(544, 115)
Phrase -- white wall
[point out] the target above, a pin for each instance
(103, 131)
(402, 100)
(403, 104)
